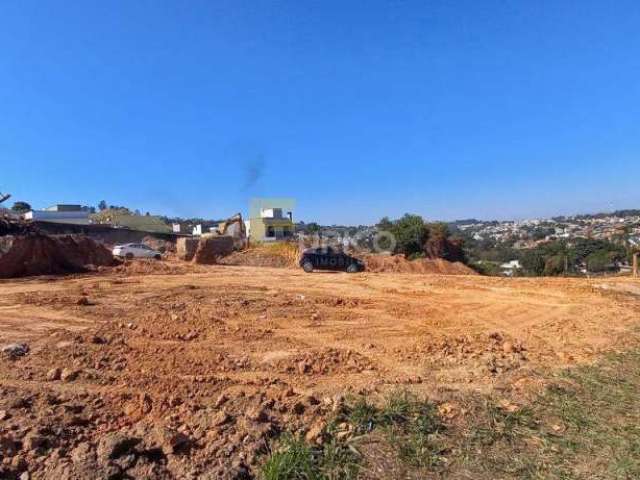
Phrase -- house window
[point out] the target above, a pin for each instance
(271, 232)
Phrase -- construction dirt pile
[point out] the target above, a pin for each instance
(206, 250)
(11, 226)
(159, 244)
(195, 376)
(186, 248)
(38, 254)
(399, 264)
(280, 255)
(211, 248)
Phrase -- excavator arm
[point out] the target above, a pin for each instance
(240, 235)
(236, 219)
(4, 197)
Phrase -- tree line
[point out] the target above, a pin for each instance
(416, 238)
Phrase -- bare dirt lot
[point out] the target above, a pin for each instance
(190, 373)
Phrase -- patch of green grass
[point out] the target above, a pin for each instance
(584, 425)
(412, 425)
(494, 424)
(339, 462)
(599, 408)
(296, 460)
(362, 415)
(397, 408)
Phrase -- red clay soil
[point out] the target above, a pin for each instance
(197, 375)
(399, 264)
(211, 248)
(283, 255)
(255, 259)
(287, 257)
(38, 254)
(169, 265)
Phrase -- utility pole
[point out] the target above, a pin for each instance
(635, 264)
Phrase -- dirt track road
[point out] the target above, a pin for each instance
(143, 349)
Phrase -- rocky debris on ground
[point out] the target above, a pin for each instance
(83, 301)
(54, 374)
(151, 266)
(171, 441)
(152, 396)
(283, 255)
(212, 431)
(316, 432)
(197, 377)
(485, 354)
(69, 374)
(325, 361)
(15, 350)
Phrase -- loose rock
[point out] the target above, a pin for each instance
(15, 349)
(69, 375)
(54, 374)
(114, 445)
(171, 441)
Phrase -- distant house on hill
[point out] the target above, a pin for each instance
(61, 213)
(510, 268)
(64, 207)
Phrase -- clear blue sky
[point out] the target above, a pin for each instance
(358, 109)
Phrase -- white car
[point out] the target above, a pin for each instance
(135, 250)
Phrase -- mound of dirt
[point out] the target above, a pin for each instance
(85, 251)
(159, 244)
(323, 362)
(399, 264)
(38, 254)
(12, 226)
(186, 248)
(281, 255)
(212, 247)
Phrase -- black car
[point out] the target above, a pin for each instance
(329, 259)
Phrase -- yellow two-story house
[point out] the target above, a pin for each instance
(272, 225)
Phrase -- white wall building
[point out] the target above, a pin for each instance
(509, 268)
(78, 217)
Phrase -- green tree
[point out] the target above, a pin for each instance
(599, 261)
(554, 265)
(417, 239)
(533, 262)
(385, 225)
(312, 227)
(410, 234)
(102, 205)
(21, 207)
